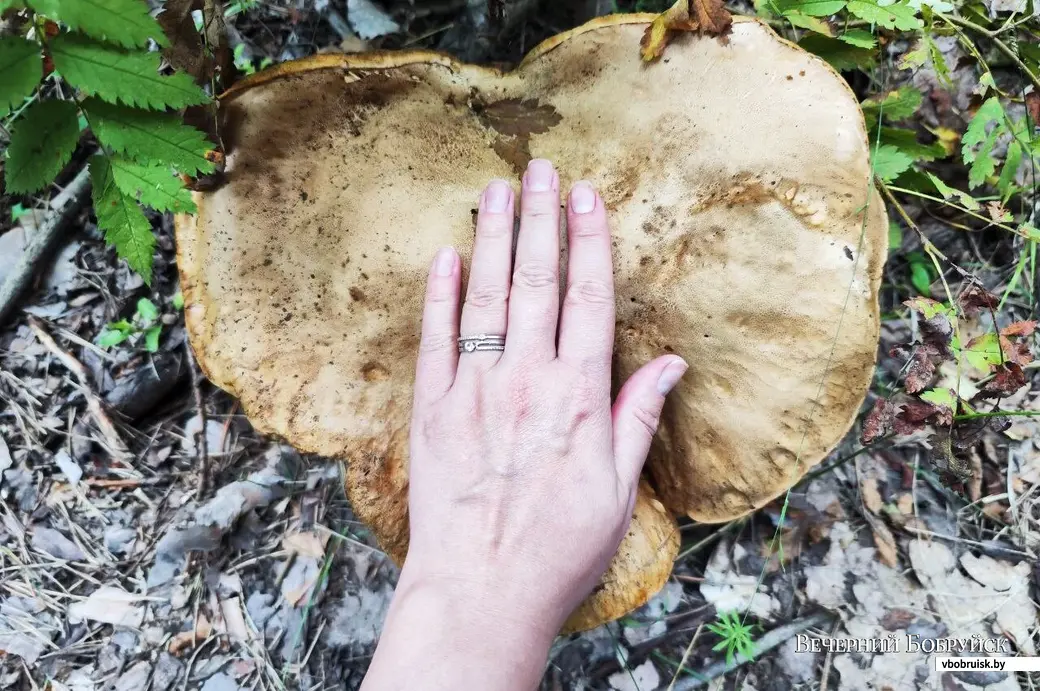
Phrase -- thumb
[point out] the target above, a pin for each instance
(637, 411)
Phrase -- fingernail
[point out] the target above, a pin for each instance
(671, 375)
(496, 196)
(444, 264)
(540, 176)
(583, 197)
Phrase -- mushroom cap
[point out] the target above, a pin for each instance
(748, 239)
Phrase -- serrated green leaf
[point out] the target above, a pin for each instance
(811, 8)
(984, 164)
(804, 21)
(1012, 160)
(966, 200)
(148, 136)
(898, 104)
(889, 162)
(906, 141)
(115, 75)
(121, 219)
(41, 144)
(153, 186)
(897, 15)
(942, 70)
(984, 351)
(989, 112)
(1032, 234)
(941, 397)
(147, 311)
(859, 38)
(842, 56)
(21, 69)
(124, 22)
(916, 56)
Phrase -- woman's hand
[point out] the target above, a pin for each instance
(523, 475)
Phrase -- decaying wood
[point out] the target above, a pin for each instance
(43, 242)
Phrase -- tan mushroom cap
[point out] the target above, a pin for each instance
(748, 239)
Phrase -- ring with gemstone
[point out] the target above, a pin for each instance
(472, 344)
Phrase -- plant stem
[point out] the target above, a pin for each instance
(998, 413)
(992, 35)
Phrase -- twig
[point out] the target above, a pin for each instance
(97, 409)
(200, 442)
(992, 35)
(762, 645)
(43, 242)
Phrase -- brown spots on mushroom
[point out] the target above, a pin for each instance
(356, 294)
(373, 371)
(514, 121)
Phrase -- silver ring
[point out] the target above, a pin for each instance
(472, 344)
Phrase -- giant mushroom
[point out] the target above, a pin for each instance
(748, 238)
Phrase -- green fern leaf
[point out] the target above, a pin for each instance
(41, 144)
(1012, 161)
(121, 219)
(897, 15)
(115, 75)
(153, 186)
(989, 112)
(149, 137)
(124, 22)
(21, 68)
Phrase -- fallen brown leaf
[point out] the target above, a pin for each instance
(1007, 379)
(1023, 328)
(186, 639)
(878, 421)
(1033, 106)
(921, 371)
(975, 297)
(868, 489)
(704, 16)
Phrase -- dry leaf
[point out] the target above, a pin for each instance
(234, 620)
(1007, 379)
(885, 542)
(905, 504)
(878, 421)
(308, 544)
(203, 629)
(109, 605)
(1023, 328)
(975, 298)
(704, 16)
(1033, 106)
(871, 496)
(921, 369)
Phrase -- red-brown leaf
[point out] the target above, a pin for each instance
(1007, 379)
(921, 370)
(704, 16)
(1033, 106)
(878, 421)
(1025, 328)
(975, 298)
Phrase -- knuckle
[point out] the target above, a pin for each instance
(646, 418)
(535, 276)
(588, 228)
(437, 342)
(438, 292)
(486, 296)
(591, 292)
(495, 226)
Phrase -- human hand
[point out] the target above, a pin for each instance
(523, 476)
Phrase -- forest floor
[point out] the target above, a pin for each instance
(151, 539)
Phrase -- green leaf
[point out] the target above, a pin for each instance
(941, 397)
(984, 164)
(896, 15)
(116, 75)
(984, 351)
(921, 277)
(21, 69)
(889, 162)
(111, 337)
(966, 200)
(153, 186)
(151, 338)
(11, 5)
(895, 235)
(147, 311)
(1012, 160)
(915, 57)
(842, 56)
(121, 219)
(41, 144)
(149, 137)
(812, 8)
(989, 112)
(906, 141)
(177, 300)
(125, 22)
(898, 104)
(17, 211)
(859, 38)
(804, 21)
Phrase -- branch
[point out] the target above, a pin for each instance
(1001, 46)
(43, 242)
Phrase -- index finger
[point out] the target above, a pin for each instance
(587, 317)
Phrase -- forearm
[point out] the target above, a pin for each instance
(439, 636)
